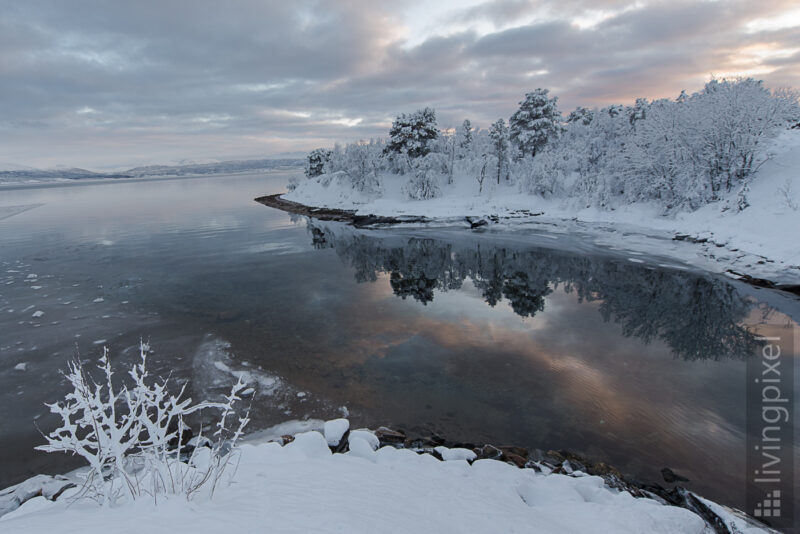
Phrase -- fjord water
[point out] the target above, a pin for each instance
(543, 340)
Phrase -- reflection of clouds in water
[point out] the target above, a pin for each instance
(602, 375)
(275, 248)
(10, 211)
(223, 222)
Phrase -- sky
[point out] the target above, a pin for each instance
(106, 84)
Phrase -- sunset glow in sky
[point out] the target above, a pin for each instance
(114, 84)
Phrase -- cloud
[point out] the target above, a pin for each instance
(189, 79)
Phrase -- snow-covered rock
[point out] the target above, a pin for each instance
(44, 487)
(367, 436)
(455, 454)
(334, 430)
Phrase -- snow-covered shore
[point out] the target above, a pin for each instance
(303, 487)
(759, 241)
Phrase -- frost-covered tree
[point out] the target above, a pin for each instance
(679, 154)
(638, 112)
(582, 115)
(413, 134)
(316, 161)
(498, 132)
(535, 122)
(361, 164)
(465, 137)
(732, 118)
(447, 146)
(423, 182)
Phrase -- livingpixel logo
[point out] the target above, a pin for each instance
(770, 432)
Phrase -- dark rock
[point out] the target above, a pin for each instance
(343, 445)
(388, 436)
(476, 222)
(577, 466)
(554, 458)
(438, 440)
(421, 443)
(287, 439)
(537, 455)
(490, 452)
(602, 470)
(670, 477)
(530, 464)
(519, 451)
(515, 459)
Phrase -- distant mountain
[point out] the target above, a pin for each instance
(5, 166)
(222, 167)
(26, 174)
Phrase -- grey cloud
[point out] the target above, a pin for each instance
(100, 83)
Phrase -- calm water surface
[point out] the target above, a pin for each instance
(544, 341)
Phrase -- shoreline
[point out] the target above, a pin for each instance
(357, 220)
(719, 518)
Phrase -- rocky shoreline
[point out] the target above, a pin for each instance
(560, 462)
(331, 214)
(557, 462)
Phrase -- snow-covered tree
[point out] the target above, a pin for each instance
(535, 122)
(680, 154)
(733, 116)
(465, 137)
(498, 132)
(316, 161)
(426, 175)
(413, 134)
(582, 115)
(638, 112)
(361, 164)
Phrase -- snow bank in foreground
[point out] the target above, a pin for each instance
(302, 487)
(764, 232)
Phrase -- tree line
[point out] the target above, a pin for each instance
(680, 153)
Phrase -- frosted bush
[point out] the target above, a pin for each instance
(132, 435)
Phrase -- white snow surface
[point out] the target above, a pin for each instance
(302, 487)
(764, 232)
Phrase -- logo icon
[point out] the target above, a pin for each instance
(770, 506)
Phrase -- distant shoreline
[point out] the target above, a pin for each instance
(12, 186)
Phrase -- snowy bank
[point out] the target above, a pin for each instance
(759, 240)
(303, 487)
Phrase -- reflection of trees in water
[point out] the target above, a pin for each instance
(698, 317)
